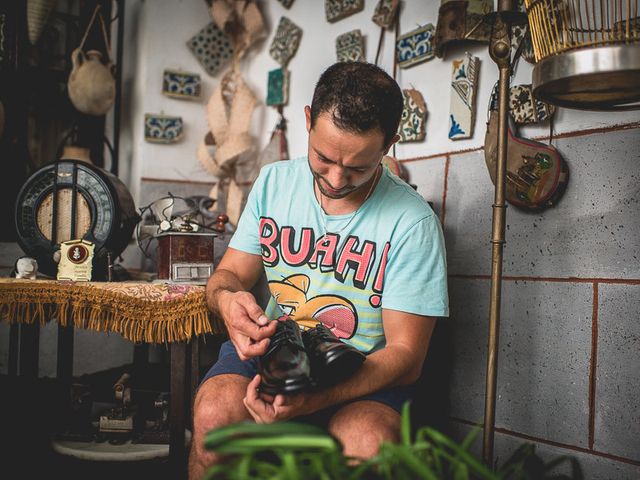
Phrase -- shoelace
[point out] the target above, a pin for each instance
(321, 334)
(285, 333)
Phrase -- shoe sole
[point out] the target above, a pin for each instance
(289, 386)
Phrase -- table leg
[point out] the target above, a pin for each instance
(64, 368)
(14, 339)
(177, 452)
(29, 349)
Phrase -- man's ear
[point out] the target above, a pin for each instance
(307, 116)
(395, 138)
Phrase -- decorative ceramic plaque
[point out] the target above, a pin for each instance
(524, 108)
(415, 46)
(162, 128)
(464, 79)
(178, 84)
(212, 48)
(385, 13)
(521, 34)
(285, 41)
(414, 114)
(350, 47)
(278, 87)
(286, 3)
(338, 9)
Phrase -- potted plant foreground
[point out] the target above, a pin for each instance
(293, 451)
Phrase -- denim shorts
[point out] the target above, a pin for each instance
(229, 362)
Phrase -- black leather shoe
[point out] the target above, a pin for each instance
(285, 367)
(332, 360)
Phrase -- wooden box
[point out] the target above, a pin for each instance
(185, 257)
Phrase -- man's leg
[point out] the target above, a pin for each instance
(218, 403)
(362, 425)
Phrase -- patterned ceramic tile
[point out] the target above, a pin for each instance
(162, 128)
(338, 9)
(385, 13)
(278, 87)
(350, 46)
(212, 48)
(414, 114)
(285, 41)
(462, 109)
(520, 34)
(524, 108)
(415, 46)
(180, 84)
(286, 3)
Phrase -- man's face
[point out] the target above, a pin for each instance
(342, 162)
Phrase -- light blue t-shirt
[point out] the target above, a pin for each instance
(390, 254)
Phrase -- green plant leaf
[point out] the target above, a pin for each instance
(292, 442)
(250, 429)
(292, 451)
(471, 437)
(461, 454)
(366, 466)
(417, 467)
(290, 469)
(213, 471)
(243, 467)
(461, 472)
(405, 426)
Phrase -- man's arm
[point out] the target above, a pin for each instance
(228, 297)
(398, 363)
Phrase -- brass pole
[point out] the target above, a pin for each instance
(500, 52)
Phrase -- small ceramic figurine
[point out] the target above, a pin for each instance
(26, 267)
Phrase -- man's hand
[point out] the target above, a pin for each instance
(267, 409)
(248, 327)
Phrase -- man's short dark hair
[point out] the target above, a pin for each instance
(360, 97)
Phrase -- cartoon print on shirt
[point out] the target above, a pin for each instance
(357, 259)
(337, 313)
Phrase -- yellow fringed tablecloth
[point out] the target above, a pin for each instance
(140, 312)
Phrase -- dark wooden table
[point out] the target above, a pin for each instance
(27, 304)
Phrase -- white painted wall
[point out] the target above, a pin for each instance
(157, 32)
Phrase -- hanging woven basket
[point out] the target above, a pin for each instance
(38, 12)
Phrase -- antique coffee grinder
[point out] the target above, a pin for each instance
(185, 255)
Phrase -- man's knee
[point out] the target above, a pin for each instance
(362, 426)
(218, 403)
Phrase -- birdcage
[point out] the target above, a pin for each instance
(587, 52)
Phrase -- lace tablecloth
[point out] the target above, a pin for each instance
(140, 312)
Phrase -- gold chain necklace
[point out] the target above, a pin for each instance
(325, 232)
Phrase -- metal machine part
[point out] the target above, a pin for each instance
(121, 418)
